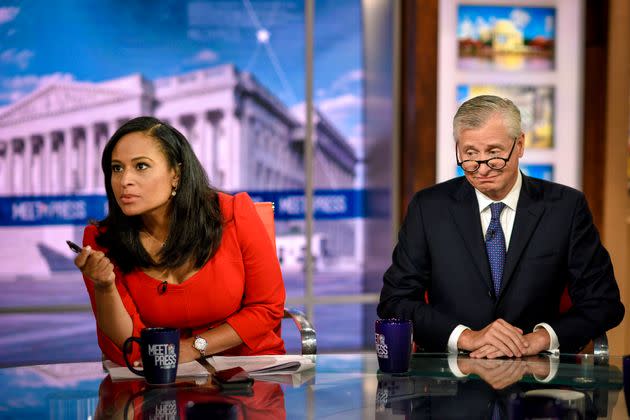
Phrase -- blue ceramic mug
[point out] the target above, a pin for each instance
(393, 339)
(159, 348)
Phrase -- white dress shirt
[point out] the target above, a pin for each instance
(507, 223)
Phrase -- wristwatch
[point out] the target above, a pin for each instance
(200, 345)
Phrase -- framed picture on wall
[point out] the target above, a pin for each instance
(529, 51)
(538, 171)
(535, 102)
(505, 37)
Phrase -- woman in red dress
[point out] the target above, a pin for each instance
(174, 252)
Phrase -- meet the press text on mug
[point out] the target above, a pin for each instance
(163, 355)
(381, 346)
(166, 410)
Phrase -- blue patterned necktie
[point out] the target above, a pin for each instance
(495, 246)
(496, 411)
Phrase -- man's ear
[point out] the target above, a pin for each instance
(520, 143)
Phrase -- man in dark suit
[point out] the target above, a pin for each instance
(482, 260)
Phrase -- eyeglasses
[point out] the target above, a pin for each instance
(471, 165)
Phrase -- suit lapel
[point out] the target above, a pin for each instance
(465, 212)
(529, 209)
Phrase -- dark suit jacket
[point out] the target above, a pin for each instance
(554, 244)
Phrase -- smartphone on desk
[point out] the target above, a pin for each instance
(74, 247)
(232, 379)
(211, 410)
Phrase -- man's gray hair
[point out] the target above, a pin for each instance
(475, 113)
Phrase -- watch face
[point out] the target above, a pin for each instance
(200, 343)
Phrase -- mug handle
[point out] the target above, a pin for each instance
(127, 350)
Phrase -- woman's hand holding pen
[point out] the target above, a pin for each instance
(97, 267)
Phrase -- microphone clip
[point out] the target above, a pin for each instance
(162, 287)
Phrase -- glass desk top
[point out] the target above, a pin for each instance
(345, 386)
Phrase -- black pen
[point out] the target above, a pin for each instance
(74, 247)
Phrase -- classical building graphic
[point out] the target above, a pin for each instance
(51, 140)
(506, 37)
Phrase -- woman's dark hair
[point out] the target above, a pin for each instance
(196, 224)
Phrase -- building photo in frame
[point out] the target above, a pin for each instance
(536, 104)
(506, 38)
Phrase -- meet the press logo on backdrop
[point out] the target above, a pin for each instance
(163, 355)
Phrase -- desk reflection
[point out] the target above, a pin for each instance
(188, 400)
(501, 373)
(344, 386)
(460, 387)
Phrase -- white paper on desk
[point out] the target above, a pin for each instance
(293, 379)
(263, 365)
(184, 370)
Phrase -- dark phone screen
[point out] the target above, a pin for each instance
(211, 410)
(236, 374)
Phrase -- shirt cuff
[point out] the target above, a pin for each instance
(554, 344)
(452, 365)
(554, 362)
(454, 337)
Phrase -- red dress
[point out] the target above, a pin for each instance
(241, 285)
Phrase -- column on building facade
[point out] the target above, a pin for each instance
(108, 130)
(177, 124)
(46, 172)
(10, 166)
(18, 165)
(248, 172)
(91, 160)
(67, 170)
(217, 177)
(100, 132)
(80, 155)
(201, 125)
(190, 130)
(27, 165)
(112, 126)
(36, 163)
(56, 168)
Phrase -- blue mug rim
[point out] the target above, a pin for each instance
(393, 321)
(158, 330)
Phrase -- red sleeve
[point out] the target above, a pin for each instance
(263, 300)
(108, 347)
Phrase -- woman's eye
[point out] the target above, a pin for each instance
(141, 166)
(116, 168)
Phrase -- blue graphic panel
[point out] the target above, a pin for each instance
(289, 205)
(51, 210)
